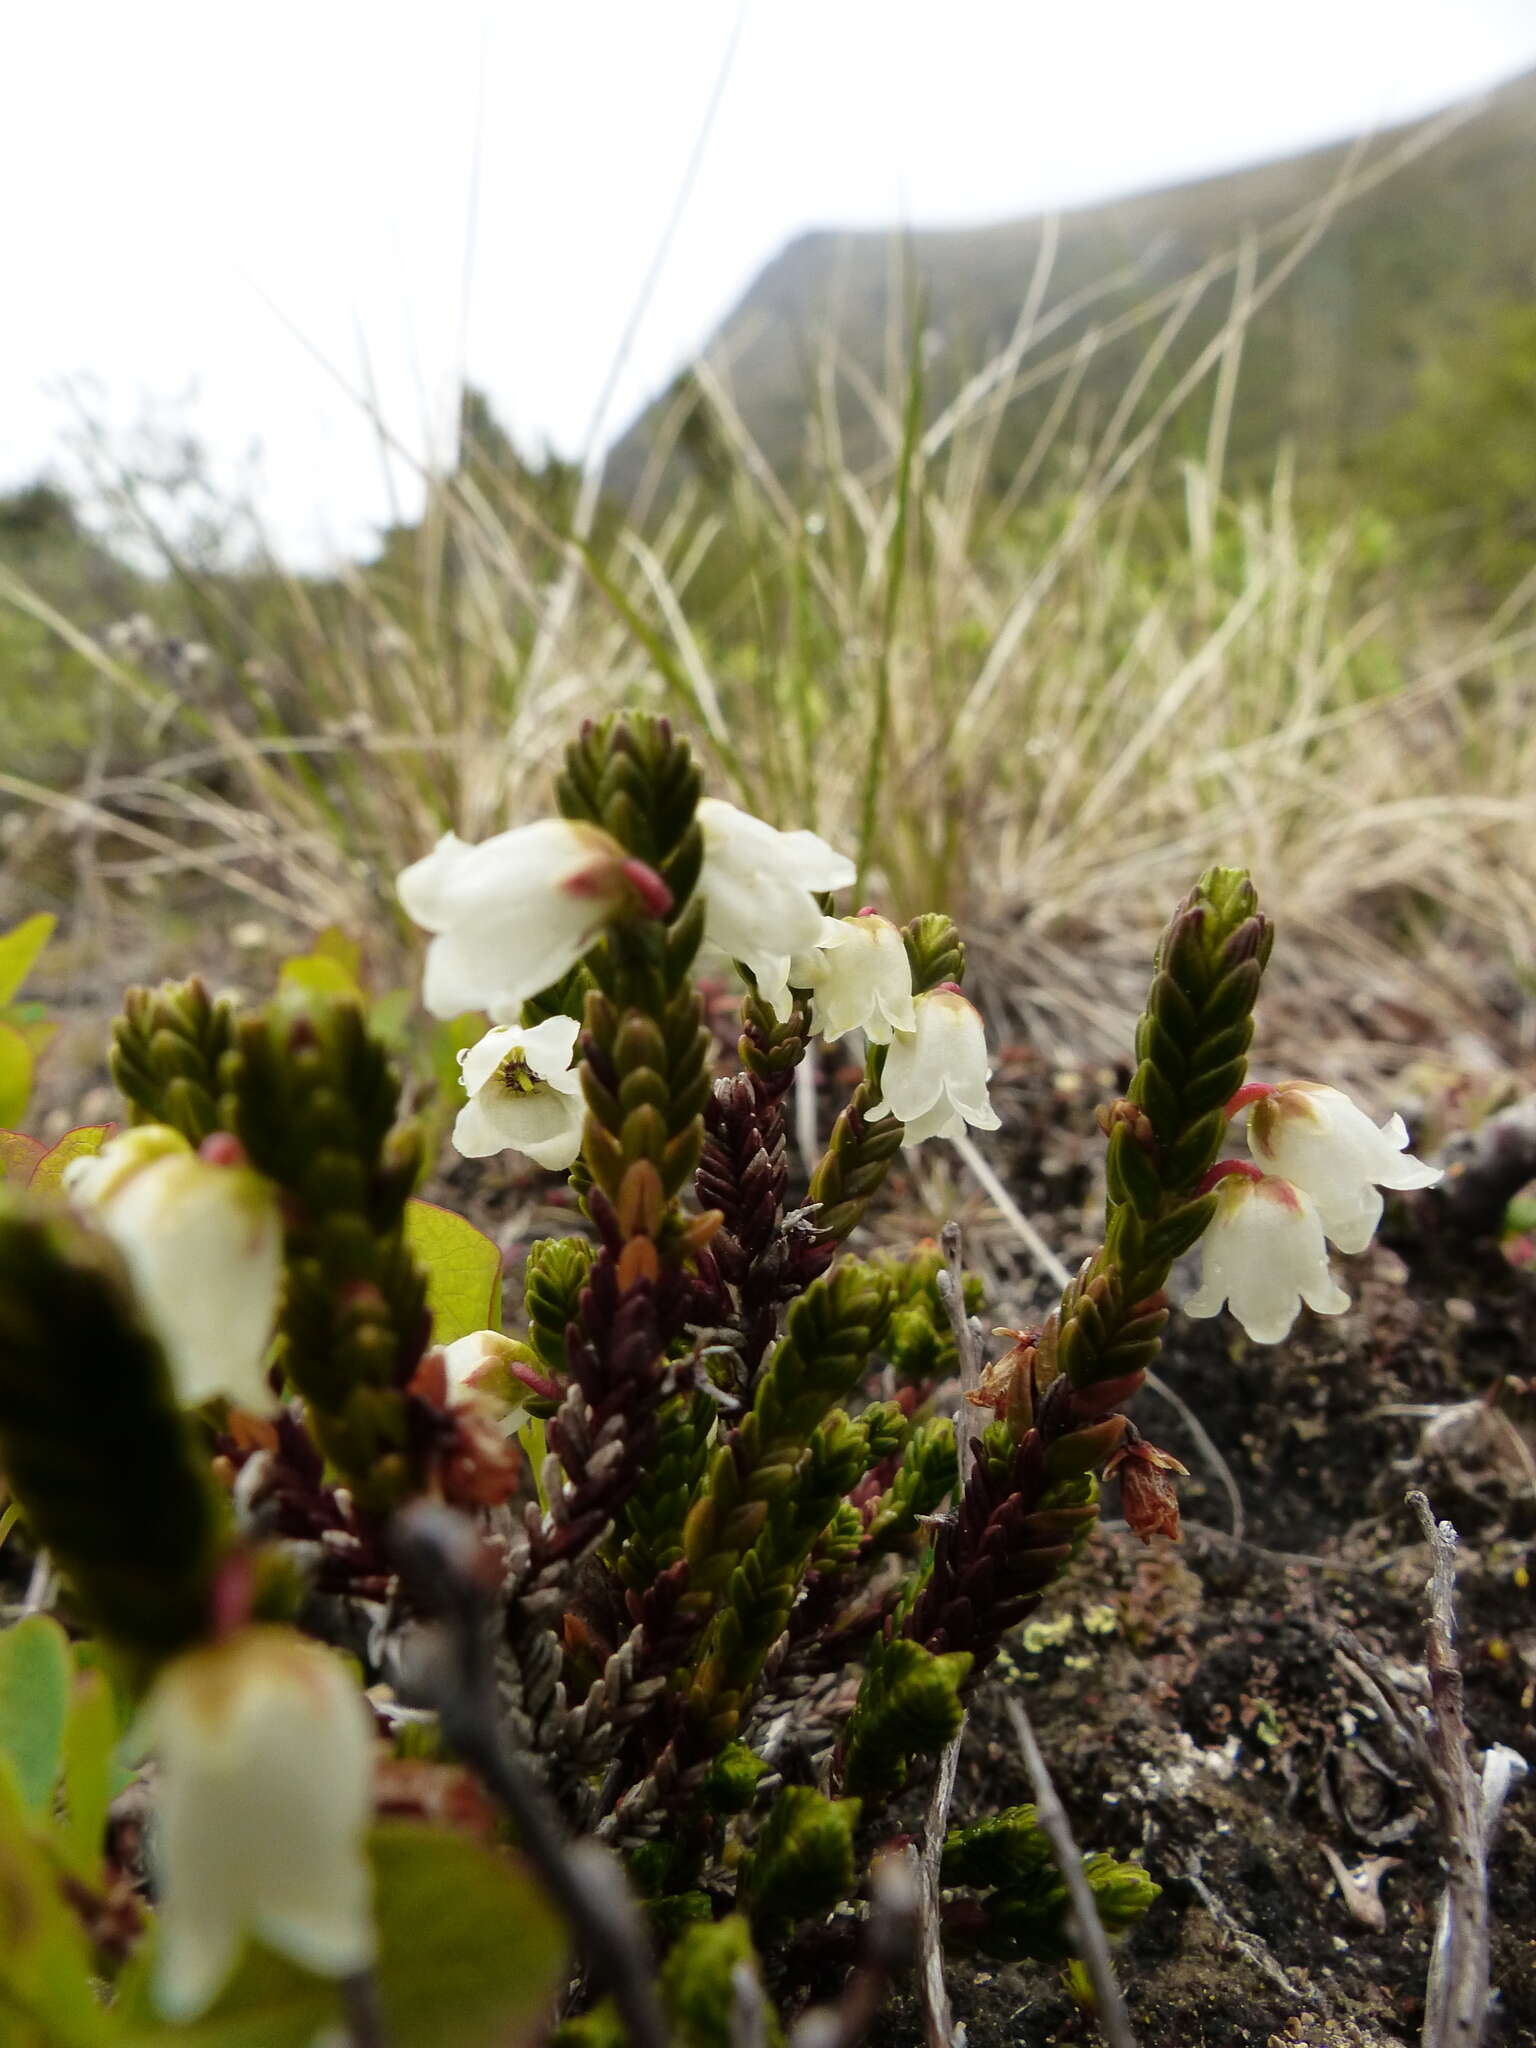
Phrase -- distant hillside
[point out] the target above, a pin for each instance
(1403, 268)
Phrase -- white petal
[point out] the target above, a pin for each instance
(814, 864)
(548, 1047)
(263, 1796)
(1350, 1220)
(1323, 1142)
(1263, 1254)
(861, 979)
(771, 973)
(910, 1085)
(512, 914)
(198, 1947)
(935, 1077)
(756, 884)
(486, 1055)
(476, 1133)
(203, 1247)
(426, 889)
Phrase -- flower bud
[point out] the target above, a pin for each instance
(1320, 1141)
(935, 1077)
(263, 1799)
(203, 1244)
(759, 888)
(860, 977)
(478, 1368)
(516, 912)
(1263, 1255)
(524, 1094)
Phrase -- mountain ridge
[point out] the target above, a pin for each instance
(1329, 359)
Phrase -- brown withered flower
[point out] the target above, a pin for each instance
(1148, 1498)
(1006, 1385)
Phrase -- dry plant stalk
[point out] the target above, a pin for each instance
(1432, 1735)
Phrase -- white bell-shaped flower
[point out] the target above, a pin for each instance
(759, 888)
(515, 912)
(524, 1094)
(203, 1244)
(478, 1371)
(1263, 1255)
(263, 1798)
(860, 977)
(1317, 1138)
(936, 1074)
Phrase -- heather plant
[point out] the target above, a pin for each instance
(426, 1675)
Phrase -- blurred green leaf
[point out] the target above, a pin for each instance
(470, 1956)
(449, 1039)
(35, 1674)
(37, 1032)
(463, 1269)
(46, 1964)
(19, 1156)
(19, 950)
(84, 1142)
(389, 1018)
(332, 967)
(16, 1065)
(90, 1775)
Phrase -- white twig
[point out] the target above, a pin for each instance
(1026, 1232)
(890, 1939)
(1052, 1816)
(938, 2014)
(1467, 1799)
(1456, 1996)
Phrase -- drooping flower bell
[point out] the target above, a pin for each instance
(860, 977)
(262, 1801)
(524, 1094)
(203, 1244)
(1263, 1255)
(478, 1368)
(1319, 1140)
(514, 913)
(936, 1074)
(759, 888)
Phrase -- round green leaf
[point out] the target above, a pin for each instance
(19, 950)
(35, 1674)
(470, 1956)
(463, 1269)
(16, 1065)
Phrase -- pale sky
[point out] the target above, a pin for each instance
(238, 215)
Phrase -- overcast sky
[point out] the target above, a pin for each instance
(242, 214)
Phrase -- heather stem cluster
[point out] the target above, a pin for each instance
(740, 1602)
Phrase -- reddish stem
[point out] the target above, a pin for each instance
(1250, 1092)
(1224, 1170)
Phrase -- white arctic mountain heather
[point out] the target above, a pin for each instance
(203, 1245)
(935, 1077)
(759, 887)
(263, 1798)
(860, 979)
(524, 1094)
(1319, 1140)
(1263, 1255)
(513, 913)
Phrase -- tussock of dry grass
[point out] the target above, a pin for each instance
(1046, 712)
